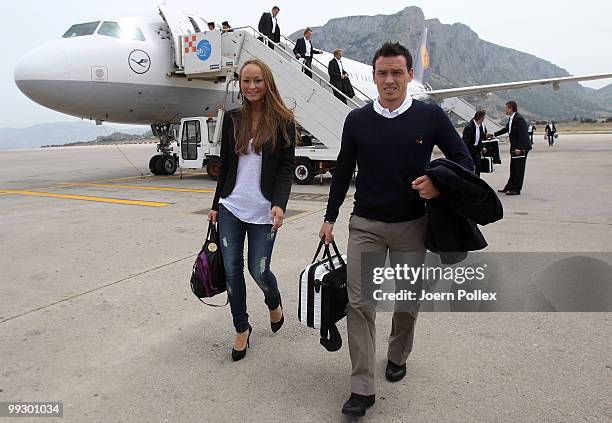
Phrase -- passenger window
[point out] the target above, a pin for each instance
(79, 30)
(110, 29)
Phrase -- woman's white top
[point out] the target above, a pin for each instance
(246, 201)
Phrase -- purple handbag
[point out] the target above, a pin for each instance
(208, 274)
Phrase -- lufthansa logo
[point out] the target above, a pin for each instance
(204, 50)
(139, 61)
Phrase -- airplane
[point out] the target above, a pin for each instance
(123, 70)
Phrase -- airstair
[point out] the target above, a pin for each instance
(466, 111)
(216, 56)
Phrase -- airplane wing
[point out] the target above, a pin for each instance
(439, 95)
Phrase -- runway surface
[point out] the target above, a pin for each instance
(97, 312)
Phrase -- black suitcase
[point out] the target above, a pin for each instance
(486, 165)
(492, 147)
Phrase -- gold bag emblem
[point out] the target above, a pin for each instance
(212, 247)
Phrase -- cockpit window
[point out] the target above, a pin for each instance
(110, 29)
(132, 31)
(125, 30)
(79, 30)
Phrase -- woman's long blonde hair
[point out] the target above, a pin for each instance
(275, 115)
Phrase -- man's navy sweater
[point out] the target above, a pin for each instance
(390, 154)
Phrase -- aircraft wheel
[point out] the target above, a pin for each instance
(166, 165)
(304, 172)
(153, 164)
(213, 167)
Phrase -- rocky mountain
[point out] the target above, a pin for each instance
(59, 133)
(605, 95)
(460, 58)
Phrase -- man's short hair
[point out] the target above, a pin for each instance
(479, 115)
(307, 30)
(211, 24)
(276, 8)
(512, 105)
(390, 50)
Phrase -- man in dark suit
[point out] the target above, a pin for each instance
(268, 26)
(519, 147)
(304, 49)
(337, 74)
(550, 130)
(473, 135)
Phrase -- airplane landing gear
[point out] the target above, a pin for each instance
(166, 162)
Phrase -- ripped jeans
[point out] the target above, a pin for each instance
(261, 241)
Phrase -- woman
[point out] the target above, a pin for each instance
(257, 153)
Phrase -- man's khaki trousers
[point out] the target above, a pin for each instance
(372, 236)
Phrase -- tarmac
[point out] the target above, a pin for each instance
(97, 311)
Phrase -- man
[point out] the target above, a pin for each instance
(516, 128)
(268, 26)
(337, 74)
(550, 130)
(391, 141)
(304, 49)
(225, 27)
(211, 26)
(530, 130)
(473, 135)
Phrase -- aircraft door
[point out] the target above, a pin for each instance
(180, 25)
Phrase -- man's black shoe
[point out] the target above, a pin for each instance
(513, 193)
(395, 373)
(357, 405)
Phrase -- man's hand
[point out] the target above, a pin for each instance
(484, 151)
(212, 216)
(518, 152)
(278, 215)
(425, 187)
(326, 233)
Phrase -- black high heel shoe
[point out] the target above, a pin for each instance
(276, 326)
(239, 355)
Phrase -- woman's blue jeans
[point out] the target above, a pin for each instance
(261, 239)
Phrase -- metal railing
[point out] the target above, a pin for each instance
(290, 60)
(289, 42)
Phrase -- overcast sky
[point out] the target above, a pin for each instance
(573, 35)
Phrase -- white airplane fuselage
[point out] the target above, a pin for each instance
(103, 78)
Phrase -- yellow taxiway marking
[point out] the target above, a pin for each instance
(147, 188)
(88, 198)
(302, 214)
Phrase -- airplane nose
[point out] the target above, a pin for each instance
(42, 75)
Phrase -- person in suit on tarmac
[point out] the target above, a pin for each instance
(268, 26)
(530, 130)
(550, 130)
(473, 134)
(516, 128)
(304, 50)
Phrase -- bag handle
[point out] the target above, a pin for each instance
(327, 254)
(212, 230)
(215, 305)
(318, 251)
